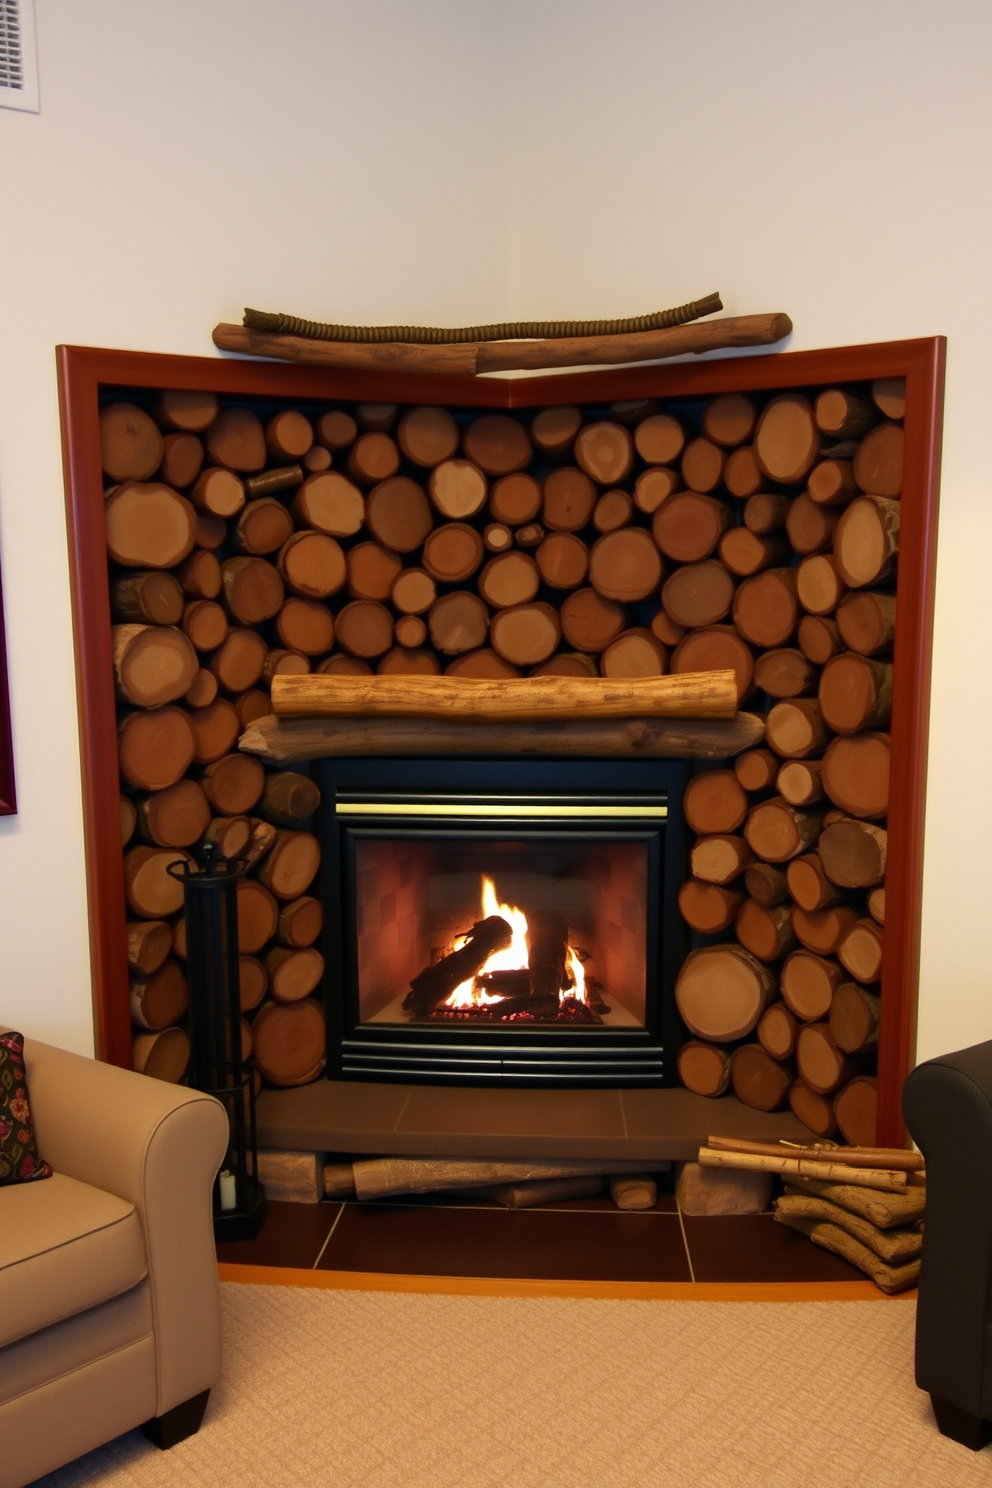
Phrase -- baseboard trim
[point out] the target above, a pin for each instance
(489, 1286)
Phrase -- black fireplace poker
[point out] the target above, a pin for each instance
(216, 1067)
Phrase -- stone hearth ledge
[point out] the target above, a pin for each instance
(468, 1121)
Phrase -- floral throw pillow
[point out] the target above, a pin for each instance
(19, 1160)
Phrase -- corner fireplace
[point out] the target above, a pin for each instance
(502, 921)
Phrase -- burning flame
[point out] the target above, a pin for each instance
(513, 958)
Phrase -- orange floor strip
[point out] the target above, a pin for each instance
(486, 1286)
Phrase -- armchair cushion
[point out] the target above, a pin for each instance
(19, 1161)
(64, 1247)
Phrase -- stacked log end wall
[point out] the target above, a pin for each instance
(786, 894)
(629, 540)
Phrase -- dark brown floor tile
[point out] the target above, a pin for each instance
(672, 1117)
(560, 1245)
(752, 1247)
(418, 1240)
(557, 1244)
(291, 1235)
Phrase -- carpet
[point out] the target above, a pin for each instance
(385, 1390)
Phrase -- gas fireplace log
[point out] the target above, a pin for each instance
(436, 983)
(531, 699)
(547, 944)
(284, 741)
(380, 1178)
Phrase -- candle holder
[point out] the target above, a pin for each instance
(216, 1067)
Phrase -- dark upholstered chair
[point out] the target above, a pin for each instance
(948, 1106)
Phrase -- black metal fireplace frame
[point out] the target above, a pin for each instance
(491, 1054)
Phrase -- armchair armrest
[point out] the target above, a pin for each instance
(158, 1146)
(948, 1108)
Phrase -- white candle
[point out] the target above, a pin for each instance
(228, 1190)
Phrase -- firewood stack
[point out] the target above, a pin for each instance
(789, 856)
(623, 541)
(866, 1204)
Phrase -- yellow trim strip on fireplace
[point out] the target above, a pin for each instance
(495, 812)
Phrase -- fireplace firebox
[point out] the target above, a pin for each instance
(502, 921)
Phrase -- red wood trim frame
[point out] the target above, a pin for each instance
(83, 370)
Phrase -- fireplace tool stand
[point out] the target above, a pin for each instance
(211, 909)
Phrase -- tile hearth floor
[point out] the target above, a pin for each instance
(579, 1240)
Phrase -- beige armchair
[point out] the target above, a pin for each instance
(109, 1301)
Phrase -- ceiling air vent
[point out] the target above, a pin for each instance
(18, 65)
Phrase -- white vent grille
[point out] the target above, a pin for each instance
(18, 67)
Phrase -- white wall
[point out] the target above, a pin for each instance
(452, 161)
(336, 158)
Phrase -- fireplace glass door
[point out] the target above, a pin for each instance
(508, 921)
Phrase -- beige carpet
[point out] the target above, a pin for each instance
(379, 1390)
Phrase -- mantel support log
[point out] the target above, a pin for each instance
(285, 741)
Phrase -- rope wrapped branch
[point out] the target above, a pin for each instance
(512, 330)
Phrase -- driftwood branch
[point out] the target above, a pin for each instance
(474, 358)
(284, 741)
(506, 330)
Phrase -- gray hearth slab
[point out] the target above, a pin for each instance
(464, 1121)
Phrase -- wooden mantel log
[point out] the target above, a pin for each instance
(470, 359)
(287, 741)
(520, 700)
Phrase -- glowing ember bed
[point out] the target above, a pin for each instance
(503, 920)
